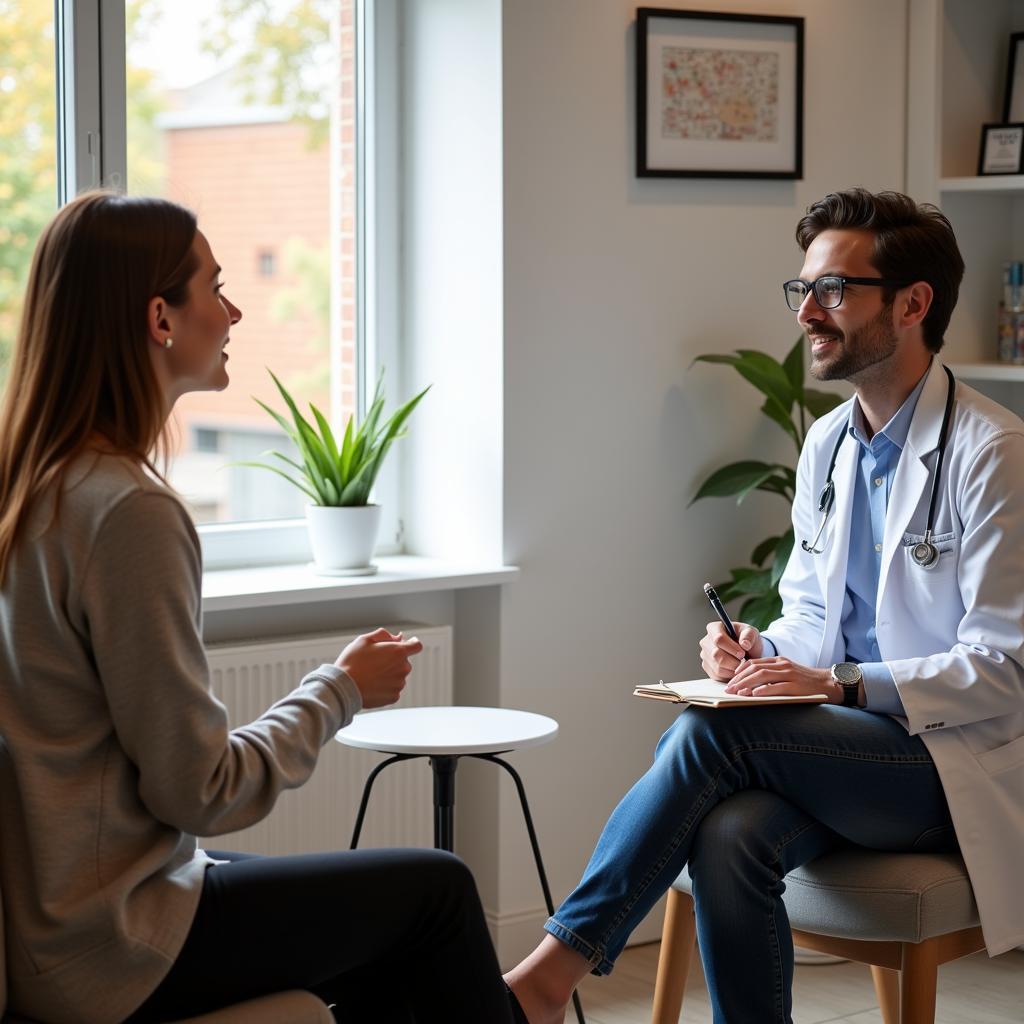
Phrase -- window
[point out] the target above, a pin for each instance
(239, 126)
(28, 150)
(267, 263)
(255, 114)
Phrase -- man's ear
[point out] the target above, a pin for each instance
(913, 303)
(158, 320)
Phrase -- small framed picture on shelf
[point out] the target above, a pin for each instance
(718, 95)
(1002, 146)
(1013, 99)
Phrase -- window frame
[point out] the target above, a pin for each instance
(92, 151)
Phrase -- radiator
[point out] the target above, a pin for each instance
(319, 816)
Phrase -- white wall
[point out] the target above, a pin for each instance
(611, 285)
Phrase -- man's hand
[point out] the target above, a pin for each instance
(720, 656)
(770, 677)
(378, 663)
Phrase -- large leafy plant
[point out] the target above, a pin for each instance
(332, 474)
(792, 406)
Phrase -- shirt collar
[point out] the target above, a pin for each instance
(896, 430)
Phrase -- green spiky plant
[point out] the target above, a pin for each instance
(329, 474)
(793, 407)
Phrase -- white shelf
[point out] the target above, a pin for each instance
(988, 371)
(993, 184)
(275, 585)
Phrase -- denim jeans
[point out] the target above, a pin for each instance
(742, 796)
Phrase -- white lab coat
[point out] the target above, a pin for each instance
(952, 635)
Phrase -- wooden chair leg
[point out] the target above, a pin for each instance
(918, 981)
(678, 938)
(887, 989)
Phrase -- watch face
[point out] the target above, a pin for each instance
(846, 673)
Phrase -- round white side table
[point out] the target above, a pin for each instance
(443, 735)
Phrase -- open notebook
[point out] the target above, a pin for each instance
(711, 694)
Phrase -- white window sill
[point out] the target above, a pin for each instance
(276, 585)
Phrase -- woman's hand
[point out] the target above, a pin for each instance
(721, 656)
(378, 663)
(768, 677)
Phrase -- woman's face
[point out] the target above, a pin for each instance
(196, 361)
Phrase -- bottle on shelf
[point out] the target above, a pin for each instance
(1011, 314)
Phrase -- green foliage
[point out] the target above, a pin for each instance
(790, 405)
(330, 475)
(28, 147)
(281, 52)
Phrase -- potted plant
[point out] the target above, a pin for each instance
(342, 522)
(790, 405)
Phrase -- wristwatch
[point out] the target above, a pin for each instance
(849, 677)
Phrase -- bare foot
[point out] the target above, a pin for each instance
(544, 982)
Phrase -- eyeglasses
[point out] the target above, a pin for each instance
(828, 291)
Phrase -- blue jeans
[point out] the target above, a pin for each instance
(742, 796)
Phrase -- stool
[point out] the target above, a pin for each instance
(443, 735)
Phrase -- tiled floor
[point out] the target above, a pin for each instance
(975, 990)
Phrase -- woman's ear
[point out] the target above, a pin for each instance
(158, 322)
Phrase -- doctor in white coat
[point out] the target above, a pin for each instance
(907, 611)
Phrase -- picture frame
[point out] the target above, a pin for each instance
(1013, 97)
(1002, 149)
(718, 95)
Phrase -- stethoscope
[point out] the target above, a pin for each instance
(925, 554)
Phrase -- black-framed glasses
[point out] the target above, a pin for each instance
(828, 290)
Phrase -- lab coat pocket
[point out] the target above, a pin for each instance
(1001, 759)
(948, 547)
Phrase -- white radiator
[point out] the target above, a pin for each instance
(319, 816)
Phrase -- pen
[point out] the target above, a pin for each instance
(721, 613)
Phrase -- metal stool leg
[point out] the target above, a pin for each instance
(521, 789)
(371, 778)
(444, 766)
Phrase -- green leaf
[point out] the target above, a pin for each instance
(818, 403)
(774, 410)
(717, 357)
(761, 611)
(763, 550)
(793, 365)
(777, 485)
(751, 581)
(273, 469)
(345, 476)
(767, 375)
(328, 435)
(782, 552)
(736, 478)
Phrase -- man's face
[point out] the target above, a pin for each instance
(858, 333)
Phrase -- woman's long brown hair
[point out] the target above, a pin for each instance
(81, 366)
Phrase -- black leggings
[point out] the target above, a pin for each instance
(388, 936)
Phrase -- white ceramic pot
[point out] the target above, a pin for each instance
(343, 538)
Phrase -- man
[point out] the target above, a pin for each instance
(907, 612)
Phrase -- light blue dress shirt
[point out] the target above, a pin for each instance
(877, 464)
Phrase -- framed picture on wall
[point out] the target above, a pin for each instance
(1013, 99)
(718, 95)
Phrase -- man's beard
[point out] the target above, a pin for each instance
(866, 347)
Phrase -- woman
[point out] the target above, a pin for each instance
(113, 753)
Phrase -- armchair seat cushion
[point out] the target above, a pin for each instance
(867, 894)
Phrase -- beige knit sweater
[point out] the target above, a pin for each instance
(113, 753)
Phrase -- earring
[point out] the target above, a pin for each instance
(168, 342)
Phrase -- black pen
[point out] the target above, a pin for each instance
(716, 603)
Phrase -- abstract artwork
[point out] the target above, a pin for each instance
(719, 95)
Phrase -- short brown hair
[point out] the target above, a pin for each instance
(913, 242)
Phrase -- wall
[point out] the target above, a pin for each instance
(609, 287)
